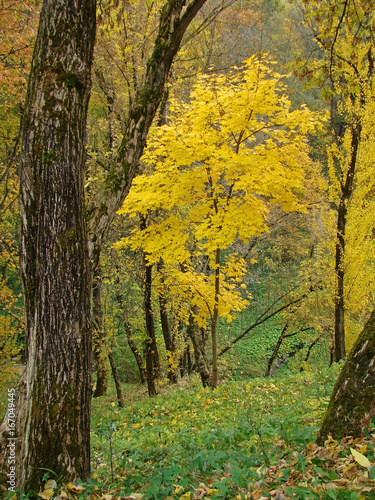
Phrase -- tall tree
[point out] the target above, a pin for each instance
(235, 149)
(56, 242)
(345, 68)
(54, 255)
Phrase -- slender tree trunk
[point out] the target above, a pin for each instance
(54, 247)
(152, 357)
(352, 403)
(128, 330)
(168, 338)
(346, 194)
(266, 315)
(100, 351)
(215, 315)
(199, 343)
(313, 343)
(116, 378)
(339, 346)
(136, 353)
(276, 350)
(185, 363)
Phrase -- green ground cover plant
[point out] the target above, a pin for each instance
(246, 439)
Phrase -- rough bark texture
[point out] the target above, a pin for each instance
(55, 432)
(352, 403)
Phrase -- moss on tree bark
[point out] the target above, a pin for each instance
(352, 403)
(54, 432)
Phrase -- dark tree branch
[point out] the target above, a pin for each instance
(264, 317)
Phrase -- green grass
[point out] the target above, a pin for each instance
(222, 438)
(244, 440)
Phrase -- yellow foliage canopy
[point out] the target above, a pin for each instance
(212, 172)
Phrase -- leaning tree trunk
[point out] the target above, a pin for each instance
(54, 253)
(199, 343)
(175, 17)
(352, 403)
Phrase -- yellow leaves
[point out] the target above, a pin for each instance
(213, 172)
(46, 494)
(361, 459)
(74, 488)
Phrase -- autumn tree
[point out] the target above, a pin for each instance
(344, 31)
(344, 69)
(17, 32)
(229, 153)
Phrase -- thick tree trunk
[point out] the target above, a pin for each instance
(55, 433)
(352, 403)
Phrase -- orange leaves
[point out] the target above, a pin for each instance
(18, 23)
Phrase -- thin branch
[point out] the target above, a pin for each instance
(264, 317)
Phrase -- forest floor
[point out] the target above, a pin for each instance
(251, 439)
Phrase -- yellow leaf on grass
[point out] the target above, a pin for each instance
(178, 489)
(186, 496)
(46, 495)
(361, 459)
(73, 488)
(63, 495)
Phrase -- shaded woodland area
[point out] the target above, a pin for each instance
(187, 193)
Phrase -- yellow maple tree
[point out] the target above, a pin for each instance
(211, 174)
